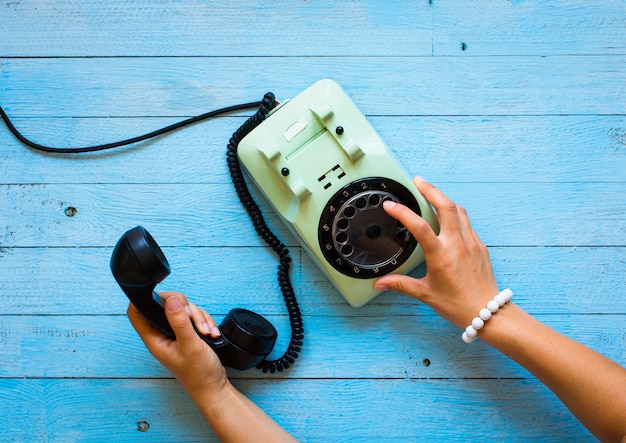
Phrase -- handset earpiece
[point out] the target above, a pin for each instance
(138, 265)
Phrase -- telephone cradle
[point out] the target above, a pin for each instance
(326, 172)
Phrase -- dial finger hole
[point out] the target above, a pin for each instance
(343, 224)
(341, 237)
(349, 211)
(347, 250)
(374, 200)
(360, 203)
(402, 235)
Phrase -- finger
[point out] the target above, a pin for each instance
(416, 225)
(180, 321)
(413, 287)
(447, 210)
(468, 233)
(465, 228)
(167, 294)
(464, 221)
(200, 318)
(203, 321)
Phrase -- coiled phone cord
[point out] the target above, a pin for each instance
(295, 317)
(268, 102)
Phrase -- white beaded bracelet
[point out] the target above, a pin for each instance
(470, 333)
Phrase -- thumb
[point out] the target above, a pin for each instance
(413, 287)
(178, 318)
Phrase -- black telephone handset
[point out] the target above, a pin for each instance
(138, 265)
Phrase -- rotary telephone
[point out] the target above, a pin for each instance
(326, 172)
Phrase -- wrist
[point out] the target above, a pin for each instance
(461, 312)
(484, 314)
(506, 330)
(210, 395)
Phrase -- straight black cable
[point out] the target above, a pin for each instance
(129, 141)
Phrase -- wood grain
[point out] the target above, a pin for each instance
(348, 347)
(283, 28)
(187, 214)
(175, 86)
(518, 149)
(77, 281)
(313, 410)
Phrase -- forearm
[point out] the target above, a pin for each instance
(235, 418)
(590, 385)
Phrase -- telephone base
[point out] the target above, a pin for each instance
(326, 171)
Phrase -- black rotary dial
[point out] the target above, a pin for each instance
(356, 235)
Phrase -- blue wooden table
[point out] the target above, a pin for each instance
(517, 110)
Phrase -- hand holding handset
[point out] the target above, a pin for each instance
(138, 265)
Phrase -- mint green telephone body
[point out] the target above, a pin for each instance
(326, 171)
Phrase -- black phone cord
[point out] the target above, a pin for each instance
(129, 141)
(295, 317)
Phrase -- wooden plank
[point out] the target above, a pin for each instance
(186, 214)
(178, 86)
(313, 410)
(77, 281)
(326, 28)
(349, 347)
(522, 148)
(195, 28)
(478, 28)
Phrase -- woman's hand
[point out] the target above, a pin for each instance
(188, 358)
(233, 417)
(459, 280)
